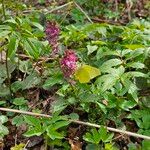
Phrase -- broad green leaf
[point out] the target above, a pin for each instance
(52, 81)
(134, 54)
(53, 134)
(126, 105)
(102, 30)
(132, 146)
(85, 73)
(18, 120)
(12, 46)
(145, 145)
(19, 101)
(30, 81)
(92, 147)
(3, 119)
(74, 116)
(5, 27)
(89, 138)
(105, 137)
(110, 63)
(136, 74)
(17, 85)
(59, 124)
(102, 132)
(36, 24)
(132, 89)
(108, 83)
(59, 105)
(3, 34)
(33, 121)
(136, 65)
(91, 49)
(12, 21)
(33, 47)
(3, 131)
(33, 132)
(102, 107)
(96, 136)
(2, 102)
(110, 146)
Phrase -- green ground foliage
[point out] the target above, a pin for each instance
(99, 74)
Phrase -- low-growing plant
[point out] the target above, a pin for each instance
(94, 72)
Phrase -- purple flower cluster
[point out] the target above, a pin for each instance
(52, 32)
(69, 63)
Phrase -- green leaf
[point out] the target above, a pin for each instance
(59, 105)
(145, 145)
(59, 124)
(132, 146)
(33, 121)
(12, 46)
(126, 105)
(74, 116)
(2, 102)
(105, 137)
(134, 46)
(33, 132)
(3, 131)
(89, 138)
(19, 101)
(54, 134)
(33, 47)
(36, 24)
(18, 120)
(17, 85)
(131, 88)
(110, 63)
(3, 119)
(134, 54)
(102, 107)
(102, 132)
(3, 34)
(30, 81)
(92, 147)
(136, 74)
(108, 83)
(91, 49)
(96, 136)
(52, 81)
(136, 65)
(18, 147)
(85, 73)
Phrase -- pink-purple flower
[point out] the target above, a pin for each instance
(52, 34)
(69, 63)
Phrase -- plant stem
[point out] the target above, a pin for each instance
(3, 9)
(83, 12)
(7, 71)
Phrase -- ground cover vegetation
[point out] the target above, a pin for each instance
(76, 61)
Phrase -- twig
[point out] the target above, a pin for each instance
(83, 12)
(26, 144)
(59, 7)
(79, 122)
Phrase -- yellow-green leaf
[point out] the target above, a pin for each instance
(134, 46)
(18, 147)
(85, 73)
